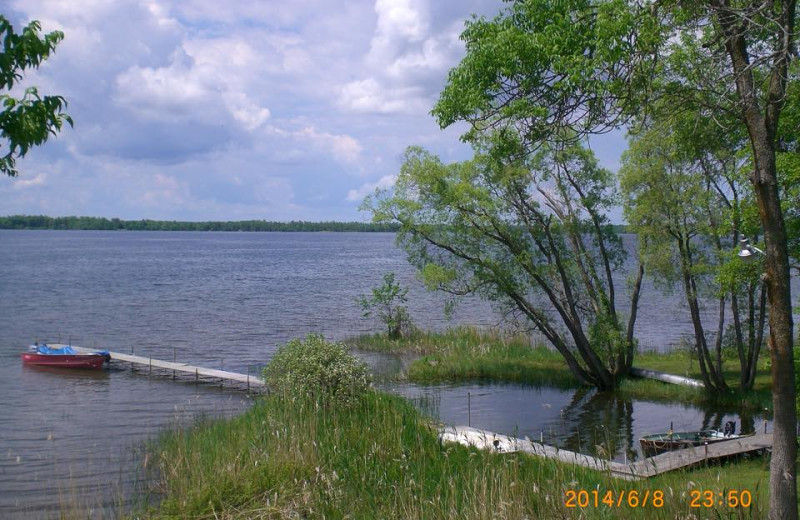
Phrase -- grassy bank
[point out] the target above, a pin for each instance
(471, 354)
(296, 458)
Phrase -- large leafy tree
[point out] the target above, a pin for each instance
(31, 119)
(529, 234)
(589, 65)
(684, 188)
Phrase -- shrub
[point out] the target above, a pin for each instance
(317, 367)
(387, 302)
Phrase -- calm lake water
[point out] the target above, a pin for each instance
(228, 299)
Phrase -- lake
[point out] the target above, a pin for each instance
(229, 299)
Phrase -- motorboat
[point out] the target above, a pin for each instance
(657, 443)
(40, 354)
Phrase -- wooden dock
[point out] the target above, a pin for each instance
(632, 471)
(177, 367)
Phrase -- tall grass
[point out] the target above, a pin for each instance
(294, 457)
(468, 353)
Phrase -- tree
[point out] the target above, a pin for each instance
(31, 119)
(387, 302)
(544, 66)
(531, 235)
(683, 183)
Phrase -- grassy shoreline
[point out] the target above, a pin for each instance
(300, 458)
(468, 353)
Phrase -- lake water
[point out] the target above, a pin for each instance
(228, 299)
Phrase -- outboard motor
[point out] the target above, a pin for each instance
(730, 428)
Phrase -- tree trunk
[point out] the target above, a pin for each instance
(637, 288)
(762, 129)
(712, 378)
(783, 471)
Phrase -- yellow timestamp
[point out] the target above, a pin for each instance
(730, 498)
(622, 498)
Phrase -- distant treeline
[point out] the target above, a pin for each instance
(98, 223)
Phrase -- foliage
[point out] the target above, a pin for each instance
(470, 353)
(788, 165)
(530, 235)
(542, 67)
(319, 368)
(684, 185)
(387, 302)
(100, 223)
(290, 458)
(30, 120)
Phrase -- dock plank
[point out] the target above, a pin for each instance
(648, 467)
(176, 366)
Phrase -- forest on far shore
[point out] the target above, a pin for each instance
(115, 224)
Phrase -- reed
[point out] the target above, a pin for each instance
(293, 457)
(470, 354)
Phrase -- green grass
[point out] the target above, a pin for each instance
(684, 364)
(296, 458)
(470, 354)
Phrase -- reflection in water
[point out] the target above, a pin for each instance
(585, 420)
(230, 298)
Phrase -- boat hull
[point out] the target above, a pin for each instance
(662, 443)
(88, 361)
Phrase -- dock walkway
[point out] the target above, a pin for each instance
(648, 467)
(184, 368)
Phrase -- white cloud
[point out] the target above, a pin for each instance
(196, 85)
(163, 93)
(369, 96)
(406, 62)
(22, 183)
(403, 18)
(343, 147)
(250, 115)
(358, 194)
(200, 109)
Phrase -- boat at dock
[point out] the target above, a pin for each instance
(66, 357)
(657, 443)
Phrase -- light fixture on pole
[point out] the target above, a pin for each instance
(747, 252)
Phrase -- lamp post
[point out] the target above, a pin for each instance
(747, 252)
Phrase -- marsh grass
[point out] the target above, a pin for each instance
(294, 457)
(470, 354)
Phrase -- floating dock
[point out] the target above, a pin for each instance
(648, 467)
(252, 382)
(666, 378)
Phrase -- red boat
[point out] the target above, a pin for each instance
(42, 355)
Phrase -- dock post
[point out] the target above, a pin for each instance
(469, 409)
(150, 372)
(248, 379)
(174, 358)
(196, 376)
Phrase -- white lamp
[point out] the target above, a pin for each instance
(747, 252)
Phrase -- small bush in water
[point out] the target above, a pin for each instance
(317, 367)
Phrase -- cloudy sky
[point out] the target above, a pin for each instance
(230, 110)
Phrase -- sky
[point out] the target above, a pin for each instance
(236, 110)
